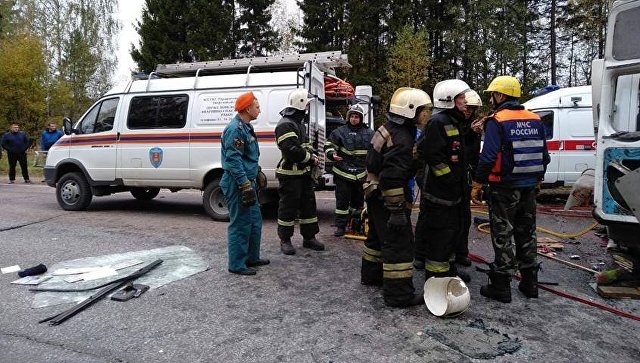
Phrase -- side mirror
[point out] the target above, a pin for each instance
(67, 126)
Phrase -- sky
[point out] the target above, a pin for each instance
(130, 11)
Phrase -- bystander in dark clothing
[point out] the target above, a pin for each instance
(16, 143)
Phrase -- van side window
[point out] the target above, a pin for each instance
(158, 112)
(547, 121)
(626, 111)
(100, 118)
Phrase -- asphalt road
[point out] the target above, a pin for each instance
(304, 308)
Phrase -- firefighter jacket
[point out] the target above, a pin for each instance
(514, 153)
(389, 160)
(471, 142)
(441, 149)
(293, 142)
(351, 143)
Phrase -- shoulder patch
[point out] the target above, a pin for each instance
(238, 143)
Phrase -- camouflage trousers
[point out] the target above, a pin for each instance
(512, 214)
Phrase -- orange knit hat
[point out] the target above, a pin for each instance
(244, 101)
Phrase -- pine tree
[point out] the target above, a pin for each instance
(256, 38)
(323, 26)
(183, 31)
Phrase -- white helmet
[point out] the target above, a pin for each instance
(445, 91)
(473, 98)
(356, 109)
(405, 101)
(298, 99)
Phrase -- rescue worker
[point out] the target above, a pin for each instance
(388, 250)
(471, 141)
(240, 153)
(294, 173)
(347, 146)
(445, 181)
(513, 162)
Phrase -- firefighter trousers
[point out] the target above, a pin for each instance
(387, 256)
(297, 201)
(439, 228)
(462, 249)
(349, 196)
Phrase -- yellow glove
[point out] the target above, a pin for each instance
(476, 193)
(538, 187)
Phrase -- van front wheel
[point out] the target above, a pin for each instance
(214, 201)
(73, 192)
(145, 193)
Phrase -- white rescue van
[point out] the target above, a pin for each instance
(165, 131)
(567, 117)
(616, 99)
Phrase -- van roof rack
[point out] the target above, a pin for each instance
(326, 61)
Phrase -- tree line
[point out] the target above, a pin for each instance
(58, 55)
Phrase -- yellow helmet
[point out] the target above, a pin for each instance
(506, 85)
(406, 100)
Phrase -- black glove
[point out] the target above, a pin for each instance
(397, 218)
(261, 180)
(249, 197)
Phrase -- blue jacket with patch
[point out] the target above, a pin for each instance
(514, 153)
(240, 152)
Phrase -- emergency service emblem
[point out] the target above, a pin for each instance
(238, 143)
(155, 157)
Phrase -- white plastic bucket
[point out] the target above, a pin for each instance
(446, 296)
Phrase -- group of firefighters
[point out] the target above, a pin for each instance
(450, 170)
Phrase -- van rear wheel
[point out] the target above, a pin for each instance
(145, 193)
(214, 201)
(73, 192)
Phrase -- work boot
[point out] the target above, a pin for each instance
(287, 248)
(258, 262)
(418, 263)
(453, 271)
(340, 231)
(415, 300)
(499, 287)
(529, 282)
(249, 271)
(429, 274)
(313, 244)
(463, 260)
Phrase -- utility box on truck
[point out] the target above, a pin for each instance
(616, 101)
(164, 131)
(568, 121)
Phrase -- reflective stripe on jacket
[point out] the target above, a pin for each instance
(515, 150)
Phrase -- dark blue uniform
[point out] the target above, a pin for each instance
(240, 153)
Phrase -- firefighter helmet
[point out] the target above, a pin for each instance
(298, 99)
(406, 100)
(356, 109)
(507, 85)
(445, 92)
(473, 98)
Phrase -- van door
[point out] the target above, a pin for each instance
(153, 146)
(94, 142)
(314, 83)
(548, 118)
(578, 143)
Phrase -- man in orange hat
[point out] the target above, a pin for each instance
(240, 155)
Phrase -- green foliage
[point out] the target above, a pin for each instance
(22, 94)
(408, 61)
(256, 38)
(323, 26)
